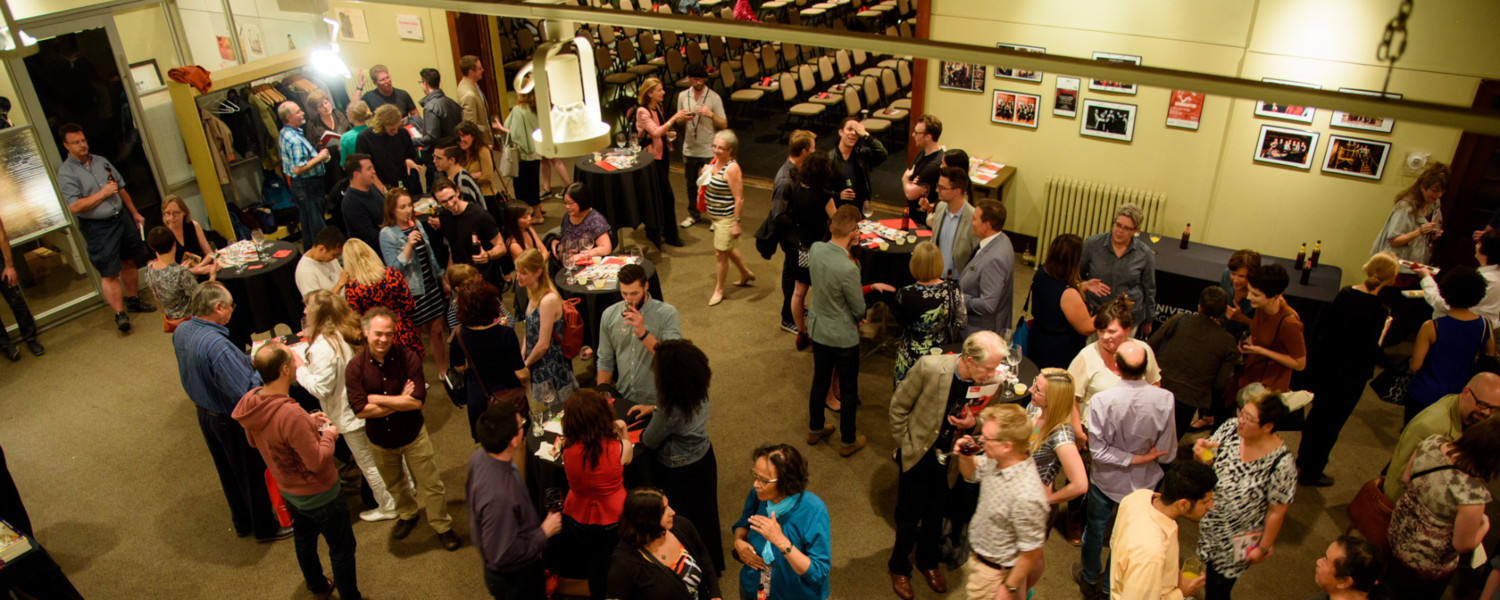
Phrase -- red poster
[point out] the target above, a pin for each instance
(1185, 110)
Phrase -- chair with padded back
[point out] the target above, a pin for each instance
(694, 53)
(741, 98)
(716, 51)
(628, 55)
(803, 111)
(676, 71)
(873, 126)
(618, 79)
(525, 43)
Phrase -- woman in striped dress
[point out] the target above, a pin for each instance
(405, 247)
(725, 199)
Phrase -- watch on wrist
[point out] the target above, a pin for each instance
(787, 550)
(1012, 589)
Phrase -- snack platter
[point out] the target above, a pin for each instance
(602, 273)
(239, 253)
(872, 234)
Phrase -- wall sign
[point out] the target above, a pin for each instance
(409, 27)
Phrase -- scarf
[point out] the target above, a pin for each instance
(767, 553)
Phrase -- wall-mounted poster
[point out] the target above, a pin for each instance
(1276, 110)
(225, 51)
(147, 75)
(1185, 109)
(1348, 121)
(1021, 74)
(961, 76)
(1286, 146)
(409, 27)
(1118, 87)
(251, 45)
(1108, 120)
(1355, 157)
(1015, 108)
(1065, 104)
(352, 25)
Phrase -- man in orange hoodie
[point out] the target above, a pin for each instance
(298, 449)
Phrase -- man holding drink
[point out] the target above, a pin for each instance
(628, 334)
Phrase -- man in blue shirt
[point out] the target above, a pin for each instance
(216, 374)
(949, 221)
(304, 165)
(95, 193)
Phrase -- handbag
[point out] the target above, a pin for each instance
(704, 177)
(1370, 511)
(170, 325)
(510, 159)
(515, 395)
(1390, 385)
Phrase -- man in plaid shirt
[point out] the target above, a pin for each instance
(304, 166)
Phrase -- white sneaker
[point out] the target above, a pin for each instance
(688, 222)
(377, 515)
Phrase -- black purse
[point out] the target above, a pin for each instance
(1390, 385)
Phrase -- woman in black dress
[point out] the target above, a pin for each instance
(930, 312)
(660, 556)
(1342, 354)
(492, 345)
(1061, 323)
(809, 208)
(188, 233)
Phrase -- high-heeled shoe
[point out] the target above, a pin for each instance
(746, 281)
(715, 300)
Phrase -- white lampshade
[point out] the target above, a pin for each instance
(567, 99)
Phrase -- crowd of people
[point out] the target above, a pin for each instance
(1093, 452)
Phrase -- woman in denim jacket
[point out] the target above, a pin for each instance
(404, 245)
(684, 467)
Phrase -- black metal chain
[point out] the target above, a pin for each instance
(1390, 50)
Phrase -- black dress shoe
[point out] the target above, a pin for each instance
(403, 528)
(36, 348)
(11, 352)
(122, 321)
(1321, 481)
(281, 534)
(449, 540)
(675, 241)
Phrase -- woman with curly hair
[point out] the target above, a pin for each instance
(493, 352)
(685, 466)
(596, 449)
(391, 150)
(1411, 230)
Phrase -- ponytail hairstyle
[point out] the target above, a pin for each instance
(1380, 270)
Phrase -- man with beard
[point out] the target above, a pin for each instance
(1449, 417)
(628, 334)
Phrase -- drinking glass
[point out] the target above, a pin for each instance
(637, 253)
(635, 143)
(259, 238)
(1192, 567)
(620, 139)
(869, 209)
(546, 393)
(1013, 358)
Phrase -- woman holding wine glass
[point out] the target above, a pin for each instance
(651, 127)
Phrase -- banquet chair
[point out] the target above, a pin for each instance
(803, 111)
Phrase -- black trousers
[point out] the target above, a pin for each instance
(596, 543)
(1217, 587)
(827, 359)
(242, 474)
(668, 219)
(24, 321)
(1335, 401)
(788, 284)
(921, 504)
(527, 583)
(332, 522)
(1184, 418)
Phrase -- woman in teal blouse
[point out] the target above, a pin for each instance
(782, 535)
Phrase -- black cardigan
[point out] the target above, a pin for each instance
(632, 576)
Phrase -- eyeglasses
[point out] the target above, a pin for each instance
(945, 188)
(1482, 406)
(761, 480)
(1122, 227)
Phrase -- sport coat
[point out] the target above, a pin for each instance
(918, 407)
(835, 302)
(987, 283)
(964, 242)
(475, 110)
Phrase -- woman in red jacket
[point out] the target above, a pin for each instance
(595, 452)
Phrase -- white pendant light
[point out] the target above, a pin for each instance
(327, 61)
(567, 99)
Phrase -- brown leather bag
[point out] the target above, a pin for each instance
(516, 395)
(1370, 513)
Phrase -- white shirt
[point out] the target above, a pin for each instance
(1091, 376)
(1488, 308)
(314, 275)
(323, 377)
(985, 242)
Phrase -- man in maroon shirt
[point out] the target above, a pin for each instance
(387, 388)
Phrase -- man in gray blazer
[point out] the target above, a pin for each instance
(924, 427)
(836, 305)
(989, 277)
(475, 109)
(950, 228)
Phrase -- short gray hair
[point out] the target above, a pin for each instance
(731, 140)
(1130, 211)
(980, 344)
(208, 295)
(284, 110)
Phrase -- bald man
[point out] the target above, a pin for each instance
(1448, 417)
(304, 165)
(1131, 435)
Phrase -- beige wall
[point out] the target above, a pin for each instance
(7, 89)
(145, 34)
(403, 57)
(1208, 175)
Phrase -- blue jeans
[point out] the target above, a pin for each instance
(331, 520)
(1096, 518)
(309, 191)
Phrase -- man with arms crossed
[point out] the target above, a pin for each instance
(919, 182)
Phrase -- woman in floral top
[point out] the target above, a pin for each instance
(1442, 513)
(373, 284)
(930, 311)
(1257, 479)
(173, 283)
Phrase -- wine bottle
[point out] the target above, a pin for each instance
(1301, 255)
(1317, 251)
(1186, 232)
(1306, 273)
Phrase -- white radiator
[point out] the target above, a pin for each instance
(1084, 208)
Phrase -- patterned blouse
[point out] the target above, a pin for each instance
(594, 225)
(1244, 495)
(1401, 222)
(173, 287)
(1422, 524)
(1048, 465)
(391, 293)
(930, 316)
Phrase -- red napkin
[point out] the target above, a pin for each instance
(892, 223)
(253, 267)
(873, 245)
(282, 254)
(924, 233)
(635, 436)
(604, 164)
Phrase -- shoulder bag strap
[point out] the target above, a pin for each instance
(470, 360)
(1432, 470)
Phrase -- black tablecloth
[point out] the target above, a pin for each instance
(1182, 274)
(627, 197)
(593, 302)
(891, 266)
(1028, 372)
(265, 296)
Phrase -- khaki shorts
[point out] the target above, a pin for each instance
(724, 241)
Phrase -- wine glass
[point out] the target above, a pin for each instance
(635, 143)
(637, 254)
(620, 139)
(869, 209)
(258, 237)
(1013, 358)
(545, 392)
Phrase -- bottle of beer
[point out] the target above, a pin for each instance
(1317, 251)
(1306, 272)
(1186, 232)
(111, 173)
(1301, 255)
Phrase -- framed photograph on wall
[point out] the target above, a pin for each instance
(1108, 120)
(1185, 109)
(1286, 146)
(1015, 108)
(1065, 104)
(1355, 157)
(1348, 121)
(147, 76)
(1118, 87)
(1276, 110)
(352, 25)
(967, 77)
(1021, 74)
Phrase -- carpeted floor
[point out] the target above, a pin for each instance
(105, 449)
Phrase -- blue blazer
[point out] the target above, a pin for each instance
(806, 526)
(987, 284)
(391, 242)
